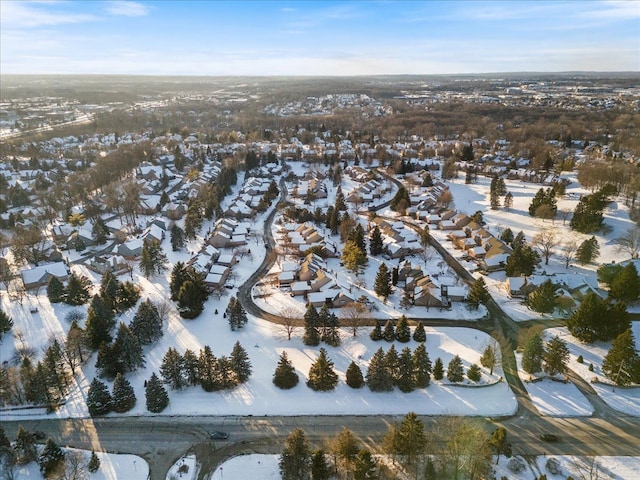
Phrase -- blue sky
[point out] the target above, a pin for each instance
(317, 37)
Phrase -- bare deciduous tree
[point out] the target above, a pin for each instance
(545, 241)
(355, 314)
(630, 242)
(569, 250)
(289, 317)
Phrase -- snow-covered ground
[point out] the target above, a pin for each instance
(554, 398)
(612, 468)
(113, 466)
(186, 468)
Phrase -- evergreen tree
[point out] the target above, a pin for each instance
(588, 251)
(375, 242)
(129, 349)
(295, 459)
(507, 235)
(364, 466)
(98, 398)
(155, 395)
(597, 319)
(438, 369)
(193, 219)
(236, 315)
(179, 275)
(378, 377)
(544, 298)
(152, 259)
(376, 333)
(24, 447)
(78, 288)
(192, 295)
(311, 322)
(455, 371)
(555, 356)
(522, 261)
(57, 375)
(403, 332)
(190, 365)
(6, 323)
(419, 335)
(499, 444)
(171, 369)
(146, 325)
(285, 376)
(100, 322)
(128, 295)
(51, 458)
(352, 257)
(400, 201)
(322, 377)
(532, 354)
(622, 363)
(382, 284)
(392, 363)
(478, 294)
(489, 358)
(626, 285)
(94, 463)
(123, 396)
(412, 437)
(354, 376)
(240, 364)
(474, 374)
(389, 332)
(109, 363)
(319, 467)
(329, 324)
(357, 236)
(177, 238)
(109, 286)
(588, 214)
(405, 380)
(55, 290)
(508, 201)
(421, 367)
(207, 365)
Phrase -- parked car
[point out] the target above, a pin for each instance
(219, 435)
(548, 437)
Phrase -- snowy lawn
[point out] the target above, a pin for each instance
(625, 400)
(554, 398)
(186, 468)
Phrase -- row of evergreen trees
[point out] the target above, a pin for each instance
(210, 372)
(321, 326)
(400, 331)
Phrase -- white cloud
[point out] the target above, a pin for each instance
(127, 9)
(17, 14)
(613, 10)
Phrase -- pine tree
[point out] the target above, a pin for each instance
(438, 369)
(622, 363)
(406, 376)
(474, 374)
(354, 376)
(207, 364)
(626, 285)
(94, 463)
(78, 288)
(508, 201)
(322, 377)
(128, 295)
(364, 466)
(190, 365)
(499, 444)
(522, 261)
(6, 323)
(193, 219)
(109, 363)
(375, 242)
(532, 354)
(123, 396)
(100, 322)
(285, 376)
(382, 284)
(403, 332)
(109, 286)
(378, 377)
(236, 315)
(392, 363)
(51, 458)
(421, 367)
(146, 325)
(129, 349)
(311, 322)
(588, 251)
(192, 294)
(24, 447)
(171, 369)
(478, 294)
(412, 437)
(98, 398)
(352, 257)
(319, 466)
(596, 319)
(555, 356)
(376, 333)
(419, 335)
(177, 238)
(55, 290)
(240, 364)
(389, 332)
(489, 358)
(295, 459)
(155, 395)
(179, 275)
(455, 371)
(544, 298)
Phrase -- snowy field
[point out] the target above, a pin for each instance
(113, 466)
(554, 398)
(625, 400)
(610, 468)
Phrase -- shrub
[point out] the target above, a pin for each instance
(580, 359)
(553, 466)
(516, 465)
(591, 367)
